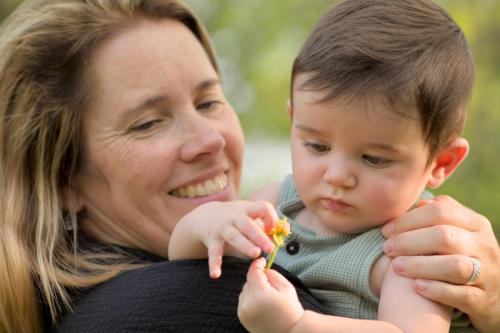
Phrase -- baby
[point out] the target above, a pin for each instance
(379, 93)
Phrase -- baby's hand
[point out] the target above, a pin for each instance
(268, 301)
(235, 228)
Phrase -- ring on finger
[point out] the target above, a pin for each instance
(476, 271)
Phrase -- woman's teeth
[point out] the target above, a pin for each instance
(208, 187)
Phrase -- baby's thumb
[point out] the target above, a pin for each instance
(255, 276)
(278, 281)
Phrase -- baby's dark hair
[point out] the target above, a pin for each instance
(409, 51)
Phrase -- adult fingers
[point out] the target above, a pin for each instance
(468, 299)
(440, 239)
(456, 269)
(438, 211)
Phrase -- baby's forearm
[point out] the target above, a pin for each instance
(318, 323)
(185, 243)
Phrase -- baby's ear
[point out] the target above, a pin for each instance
(447, 160)
(289, 108)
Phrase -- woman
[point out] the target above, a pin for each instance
(113, 126)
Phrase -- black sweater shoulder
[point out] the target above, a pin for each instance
(176, 296)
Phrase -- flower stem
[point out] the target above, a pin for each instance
(271, 259)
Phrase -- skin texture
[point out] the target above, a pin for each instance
(455, 233)
(355, 166)
(236, 228)
(150, 130)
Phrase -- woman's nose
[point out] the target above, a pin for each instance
(202, 139)
(340, 173)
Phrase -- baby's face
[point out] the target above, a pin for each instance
(355, 165)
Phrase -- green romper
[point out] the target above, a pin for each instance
(336, 269)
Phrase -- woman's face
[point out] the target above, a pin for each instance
(159, 138)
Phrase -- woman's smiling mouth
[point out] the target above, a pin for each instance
(205, 188)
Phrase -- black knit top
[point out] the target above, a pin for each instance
(177, 296)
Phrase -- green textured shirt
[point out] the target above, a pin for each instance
(336, 268)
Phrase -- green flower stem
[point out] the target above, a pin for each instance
(271, 259)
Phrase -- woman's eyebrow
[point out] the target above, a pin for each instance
(145, 104)
(158, 99)
(206, 84)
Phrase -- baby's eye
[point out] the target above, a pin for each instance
(375, 161)
(316, 147)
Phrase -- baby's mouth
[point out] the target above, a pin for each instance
(203, 189)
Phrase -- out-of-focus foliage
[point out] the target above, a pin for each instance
(257, 40)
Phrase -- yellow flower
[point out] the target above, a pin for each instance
(280, 231)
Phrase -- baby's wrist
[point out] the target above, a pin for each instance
(301, 325)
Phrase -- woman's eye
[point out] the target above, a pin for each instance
(208, 106)
(317, 147)
(375, 160)
(145, 125)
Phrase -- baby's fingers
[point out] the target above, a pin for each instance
(237, 240)
(253, 230)
(279, 282)
(215, 252)
(256, 277)
(264, 211)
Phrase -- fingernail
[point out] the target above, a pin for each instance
(399, 265)
(388, 246)
(388, 229)
(216, 273)
(421, 203)
(261, 263)
(421, 285)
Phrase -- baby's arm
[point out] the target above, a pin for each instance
(269, 303)
(216, 228)
(402, 306)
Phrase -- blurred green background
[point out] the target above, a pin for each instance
(257, 40)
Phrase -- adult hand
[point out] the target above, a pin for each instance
(268, 301)
(435, 244)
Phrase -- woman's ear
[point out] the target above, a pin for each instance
(289, 108)
(71, 200)
(447, 161)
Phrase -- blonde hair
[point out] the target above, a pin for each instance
(45, 46)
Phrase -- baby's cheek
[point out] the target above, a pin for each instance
(386, 203)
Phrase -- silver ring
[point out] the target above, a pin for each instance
(476, 271)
